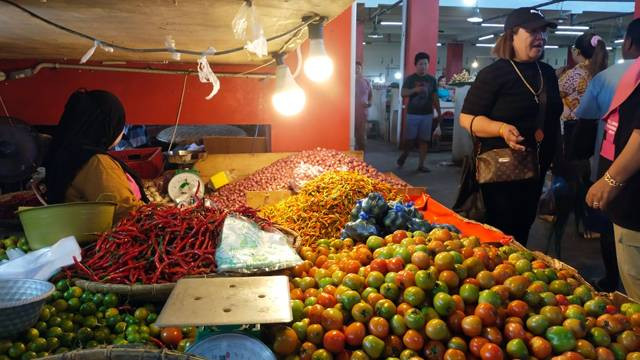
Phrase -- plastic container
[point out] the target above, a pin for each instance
(20, 304)
(147, 162)
(45, 225)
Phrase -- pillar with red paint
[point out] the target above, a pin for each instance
(454, 60)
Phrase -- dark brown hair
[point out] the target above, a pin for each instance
(504, 45)
(597, 55)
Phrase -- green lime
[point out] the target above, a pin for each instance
(16, 350)
(154, 330)
(134, 338)
(66, 316)
(41, 326)
(98, 298)
(45, 314)
(53, 343)
(54, 331)
(152, 318)
(68, 339)
(86, 297)
(88, 308)
(62, 350)
(120, 327)
(92, 343)
(110, 300)
(32, 334)
(60, 305)
(77, 319)
(112, 321)
(101, 336)
(67, 326)
(130, 320)
(85, 334)
(29, 355)
(57, 295)
(99, 315)
(132, 329)
(90, 322)
(54, 321)
(37, 345)
(111, 312)
(120, 341)
(43, 354)
(141, 314)
(62, 285)
(74, 304)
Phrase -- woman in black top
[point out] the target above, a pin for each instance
(503, 103)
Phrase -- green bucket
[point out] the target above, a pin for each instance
(45, 225)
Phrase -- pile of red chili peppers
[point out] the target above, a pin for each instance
(158, 244)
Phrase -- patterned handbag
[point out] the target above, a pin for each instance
(500, 165)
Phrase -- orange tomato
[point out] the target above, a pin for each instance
(413, 340)
(487, 313)
(354, 333)
(476, 344)
(454, 354)
(379, 327)
(491, 351)
(333, 341)
(286, 341)
(517, 308)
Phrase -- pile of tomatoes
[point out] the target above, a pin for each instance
(440, 296)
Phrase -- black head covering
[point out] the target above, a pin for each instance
(90, 124)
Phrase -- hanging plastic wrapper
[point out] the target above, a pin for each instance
(206, 75)
(170, 44)
(92, 49)
(246, 26)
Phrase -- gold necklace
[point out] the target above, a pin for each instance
(535, 93)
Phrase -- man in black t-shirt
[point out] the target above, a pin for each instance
(422, 91)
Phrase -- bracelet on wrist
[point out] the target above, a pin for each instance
(611, 181)
(501, 129)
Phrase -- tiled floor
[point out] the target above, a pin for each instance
(442, 183)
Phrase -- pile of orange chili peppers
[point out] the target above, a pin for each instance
(322, 207)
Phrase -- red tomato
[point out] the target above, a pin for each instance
(379, 265)
(491, 351)
(476, 344)
(354, 333)
(171, 336)
(413, 340)
(395, 265)
(334, 341)
(327, 300)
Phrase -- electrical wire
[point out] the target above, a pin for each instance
(175, 128)
(154, 50)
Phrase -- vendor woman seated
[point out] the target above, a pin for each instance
(78, 167)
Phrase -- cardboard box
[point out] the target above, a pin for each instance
(235, 145)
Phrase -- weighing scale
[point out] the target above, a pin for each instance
(186, 186)
(221, 306)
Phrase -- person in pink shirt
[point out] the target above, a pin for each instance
(363, 103)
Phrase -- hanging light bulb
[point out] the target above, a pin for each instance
(289, 98)
(318, 67)
(476, 17)
(474, 64)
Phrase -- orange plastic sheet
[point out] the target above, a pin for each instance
(435, 212)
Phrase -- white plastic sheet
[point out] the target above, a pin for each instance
(43, 263)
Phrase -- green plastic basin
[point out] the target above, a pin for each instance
(44, 226)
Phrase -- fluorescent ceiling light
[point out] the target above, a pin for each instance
(485, 37)
(566, 27)
(395, 23)
(609, 48)
(485, 45)
(619, 41)
(492, 25)
(439, 44)
(620, 61)
(469, 2)
(476, 17)
(569, 32)
(551, 46)
(364, 43)
(375, 36)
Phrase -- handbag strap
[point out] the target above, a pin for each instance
(474, 139)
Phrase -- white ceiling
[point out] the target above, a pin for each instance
(455, 28)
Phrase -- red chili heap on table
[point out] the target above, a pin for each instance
(158, 244)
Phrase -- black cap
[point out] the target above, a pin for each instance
(527, 18)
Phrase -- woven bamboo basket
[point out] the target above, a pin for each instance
(123, 352)
(160, 292)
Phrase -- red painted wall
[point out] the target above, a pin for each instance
(422, 33)
(454, 60)
(637, 13)
(154, 99)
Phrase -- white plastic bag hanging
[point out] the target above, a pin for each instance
(206, 75)
(43, 263)
(170, 44)
(92, 50)
(247, 26)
